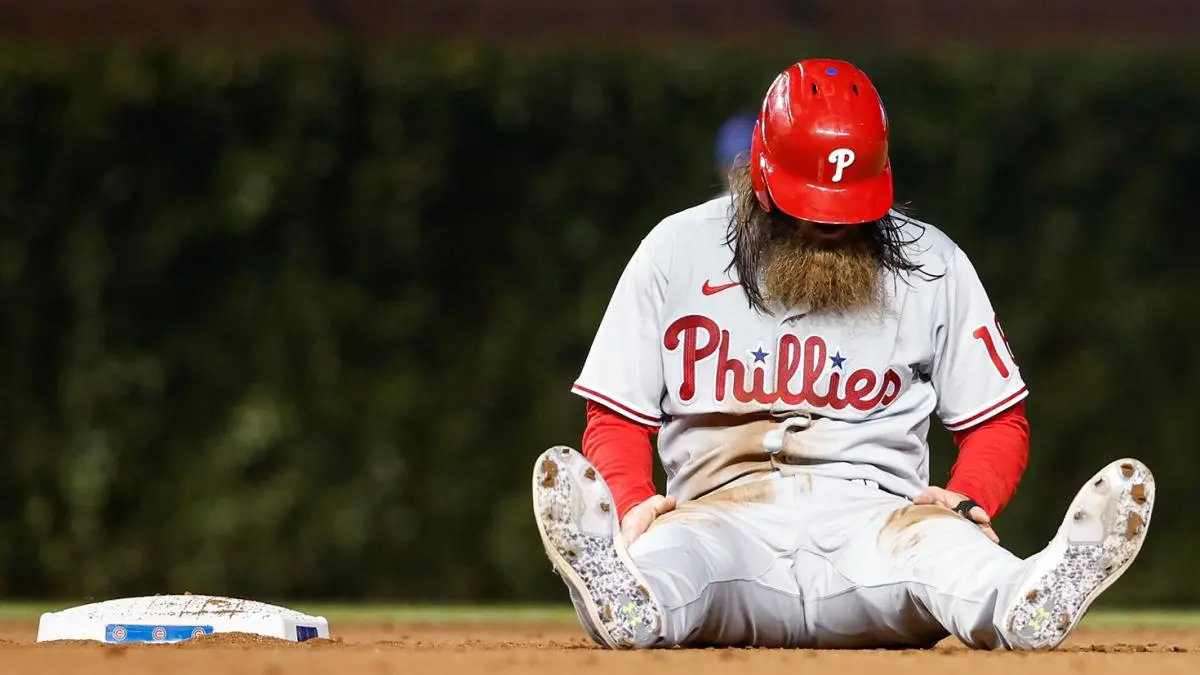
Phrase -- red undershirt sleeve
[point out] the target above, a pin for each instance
(992, 457)
(621, 451)
(991, 460)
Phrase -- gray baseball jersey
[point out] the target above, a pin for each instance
(679, 347)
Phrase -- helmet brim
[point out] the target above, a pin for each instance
(859, 202)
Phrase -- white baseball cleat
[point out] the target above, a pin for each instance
(1098, 540)
(578, 523)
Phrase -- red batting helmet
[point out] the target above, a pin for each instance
(820, 147)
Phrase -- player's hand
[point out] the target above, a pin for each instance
(638, 519)
(945, 498)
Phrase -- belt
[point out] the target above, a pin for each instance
(863, 481)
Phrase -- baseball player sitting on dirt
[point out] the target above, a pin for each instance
(789, 344)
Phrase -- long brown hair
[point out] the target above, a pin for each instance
(752, 231)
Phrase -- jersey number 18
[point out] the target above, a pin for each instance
(984, 334)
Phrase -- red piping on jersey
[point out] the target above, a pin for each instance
(991, 458)
(629, 412)
(990, 409)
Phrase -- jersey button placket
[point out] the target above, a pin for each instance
(786, 323)
(789, 422)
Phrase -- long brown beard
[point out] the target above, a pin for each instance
(795, 268)
(842, 277)
(781, 260)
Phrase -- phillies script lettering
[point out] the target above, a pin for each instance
(700, 338)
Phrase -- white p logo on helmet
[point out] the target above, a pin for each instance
(840, 159)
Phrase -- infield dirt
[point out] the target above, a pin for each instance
(379, 648)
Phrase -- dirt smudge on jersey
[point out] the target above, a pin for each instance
(907, 516)
(687, 513)
(700, 510)
(906, 544)
(904, 518)
(738, 454)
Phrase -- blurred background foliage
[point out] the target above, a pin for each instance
(294, 323)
